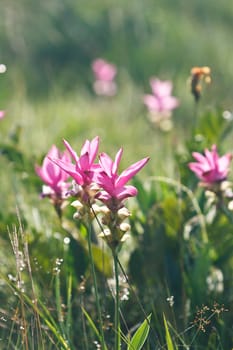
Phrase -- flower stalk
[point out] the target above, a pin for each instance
(89, 229)
(117, 302)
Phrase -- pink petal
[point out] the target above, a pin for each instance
(71, 151)
(199, 157)
(125, 192)
(103, 196)
(210, 157)
(85, 147)
(104, 70)
(40, 172)
(151, 102)
(53, 171)
(94, 145)
(106, 163)
(105, 182)
(117, 161)
(168, 103)
(69, 169)
(127, 174)
(224, 162)
(83, 163)
(197, 169)
(53, 152)
(161, 88)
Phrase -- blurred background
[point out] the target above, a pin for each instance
(49, 46)
(52, 43)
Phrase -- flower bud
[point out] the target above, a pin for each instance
(125, 227)
(77, 205)
(105, 233)
(77, 216)
(230, 205)
(123, 213)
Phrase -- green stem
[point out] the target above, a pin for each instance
(103, 346)
(117, 304)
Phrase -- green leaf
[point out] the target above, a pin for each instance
(168, 336)
(140, 336)
(91, 323)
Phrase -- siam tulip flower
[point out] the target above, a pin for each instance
(104, 73)
(83, 169)
(161, 102)
(210, 168)
(2, 114)
(197, 75)
(54, 177)
(114, 186)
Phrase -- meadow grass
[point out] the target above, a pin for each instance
(175, 271)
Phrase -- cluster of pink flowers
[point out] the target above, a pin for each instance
(55, 179)
(160, 103)
(104, 73)
(209, 167)
(93, 180)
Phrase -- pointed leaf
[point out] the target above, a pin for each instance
(168, 336)
(140, 336)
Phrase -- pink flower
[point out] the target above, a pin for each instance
(103, 70)
(114, 186)
(2, 114)
(210, 168)
(83, 169)
(161, 102)
(52, 175)
(104, 73)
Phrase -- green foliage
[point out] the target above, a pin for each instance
(178, 259)
(140, 336)
(168, 336)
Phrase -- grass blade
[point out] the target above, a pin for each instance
(140, 336)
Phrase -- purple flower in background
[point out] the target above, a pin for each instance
(210, 168)
(161, 103)
(83, 169)
(114, 186)
(54, 177)
(104, 73)
(2, 70)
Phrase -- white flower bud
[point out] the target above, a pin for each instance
(225, 185)
(230, 205)
(104, 210)
(77, 205)
(125, 227)
(76, 216)
(123, 213)
(105, 233)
